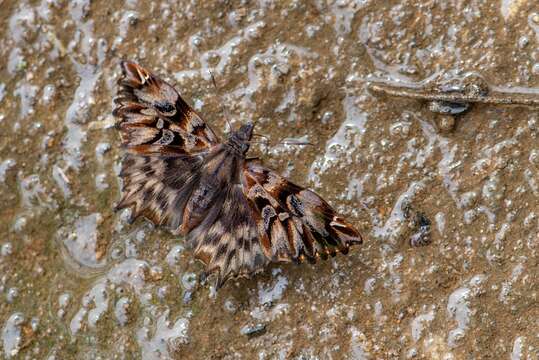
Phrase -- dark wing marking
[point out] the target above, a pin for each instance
(237, 215)
(294, 223)
(154, 119)
(227, 240)
(158, 187)
(175, 191)
(260, 217)
(166, 142)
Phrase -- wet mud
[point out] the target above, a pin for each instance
(78, 282)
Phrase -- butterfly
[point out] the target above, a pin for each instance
(236, 214)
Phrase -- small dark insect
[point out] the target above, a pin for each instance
(237, 215)
(421, 225)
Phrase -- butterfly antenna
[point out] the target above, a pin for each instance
(224, 109)
(262, 136)
(294, 142)
(266, 143)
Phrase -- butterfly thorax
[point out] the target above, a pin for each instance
(239, 140)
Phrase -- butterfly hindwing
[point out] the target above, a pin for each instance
(227, 241)
(158, 188)
(294, 223)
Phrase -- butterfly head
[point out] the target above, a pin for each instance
(239, 139)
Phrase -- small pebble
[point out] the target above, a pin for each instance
(253, 330)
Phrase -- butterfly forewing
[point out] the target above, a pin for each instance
(236, 214)
(154, 118)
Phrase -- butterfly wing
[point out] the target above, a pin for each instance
(294, 223)
(237, 214)
(227, 240)
(154, 119)
(265, 218)
(167, 143)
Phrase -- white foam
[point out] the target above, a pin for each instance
(12, 335)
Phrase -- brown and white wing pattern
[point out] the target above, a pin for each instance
(154, 119)
(294, 223)
(260, 217)
(238, 216)
(166, 144)
(227, 240)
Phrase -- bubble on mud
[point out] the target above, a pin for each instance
(396, 224)
(533, 158)
(339, 148)
(95, 302)
(470, 216)
(459, 308)
(500, 236)
(6, 249)
(506, 287)
(267, 298)
(121, 310)
(61, 180)
(419, 322)
(101, 149)
(21, 22)
(509, 8)
(4, 167)
(518, 347)
(166, 336)
(81, 241)
(27, 94)
(533, 22)
(530, 220)
(400, 129)
(368, 287)
(173, 257)
(19, 224)
(162, 292)
(78, 111)
(358, 345)
(439, 218)
(270, 294)
(49, 91)
(101, 182)
(253, 330)
(63, 302)
(131, 249)
(34, 194)
(129, 19)
(189, 281)
(16, 61)
(532, 180)
(230, 306)
(12, 335)
(12, 294)
(288, 100)
(344, 12)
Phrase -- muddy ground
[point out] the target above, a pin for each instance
(78, 282)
